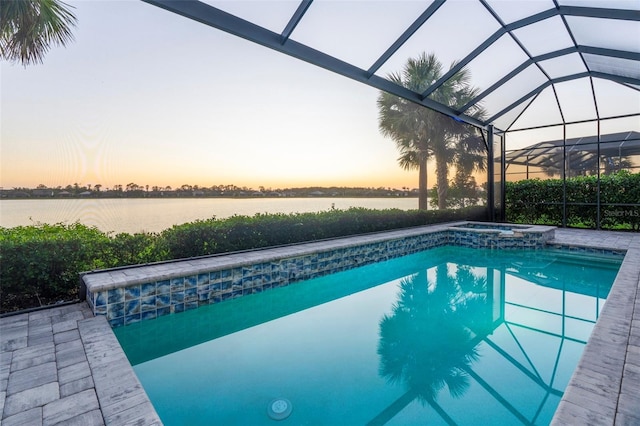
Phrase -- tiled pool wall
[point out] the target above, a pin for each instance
(179, 286)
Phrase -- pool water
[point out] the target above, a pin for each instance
(447, 336)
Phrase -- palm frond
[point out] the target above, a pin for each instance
(28, 28)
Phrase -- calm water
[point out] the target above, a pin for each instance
(446, 336)
(155, 215)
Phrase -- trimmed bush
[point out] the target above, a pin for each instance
(540, 201)
(40, 264)
(139, 248)
(205, 237)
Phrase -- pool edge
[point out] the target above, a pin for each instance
(602, 388)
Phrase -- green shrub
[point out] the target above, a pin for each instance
(40, 263)
(541, 201)
(139, 248)
(205, 237)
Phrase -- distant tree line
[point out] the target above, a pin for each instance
(133, 190)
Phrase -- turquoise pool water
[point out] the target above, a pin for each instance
(446, 336)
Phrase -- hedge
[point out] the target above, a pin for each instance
(540, 201)
(41, 264)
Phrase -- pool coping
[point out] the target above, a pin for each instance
(604, 389)
(605, 386)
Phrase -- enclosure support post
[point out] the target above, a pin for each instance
(598, 184)
(490, 177)
(503, 177)
(564, 175)
(598, 159)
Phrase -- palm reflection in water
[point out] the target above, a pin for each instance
(429, 340)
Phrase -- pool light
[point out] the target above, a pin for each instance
(279, 409)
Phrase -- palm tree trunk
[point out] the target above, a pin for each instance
(442, 182)
(423, 194)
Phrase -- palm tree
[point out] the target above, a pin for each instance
(29, 27)
(421, 134)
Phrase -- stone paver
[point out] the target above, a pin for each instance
(63, 366)
(28, 417)
(69, 407)
(76, 386)
(33, 376)
(32, 356)
(30, 398)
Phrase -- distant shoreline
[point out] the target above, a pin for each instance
(233, 197)
(191, 193)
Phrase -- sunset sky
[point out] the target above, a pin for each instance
(148, 97)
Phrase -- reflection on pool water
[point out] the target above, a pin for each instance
(449, 335)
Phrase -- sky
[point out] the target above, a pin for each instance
(148, 97)
(145, 96)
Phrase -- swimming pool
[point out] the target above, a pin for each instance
(446, 335)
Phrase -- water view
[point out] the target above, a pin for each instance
(155, 215)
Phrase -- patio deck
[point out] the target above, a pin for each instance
(61, 366)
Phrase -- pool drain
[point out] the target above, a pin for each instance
(279, 409)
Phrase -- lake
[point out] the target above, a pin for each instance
(154, 215)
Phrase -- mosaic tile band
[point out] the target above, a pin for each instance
(132, 301)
